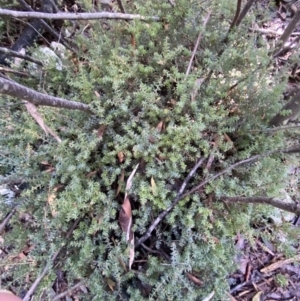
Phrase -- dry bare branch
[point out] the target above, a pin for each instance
(49, 263)
(204, 182)
(68, 291)
(14, 89)
(291, 150)
(19, 55)
(75, 16)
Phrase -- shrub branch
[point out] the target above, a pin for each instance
(197, 44)
(174, 203)
(14, 89)
(290, 207)
(180, 195)
(50, 262)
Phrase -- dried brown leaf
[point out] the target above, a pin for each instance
(194, 279)
(272, 267)
(227, 138)
(101, 131)
(32, 110)
(153, 187)
(159, 127)
(152, 139)
(97, 94)
(125, 218)
(257, 296)
(122, 263)
(51, 197)
(111, 284)
(121, 156)
(91, 174)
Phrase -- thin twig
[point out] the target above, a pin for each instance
(49, 263)
(6, 219)
(276, 265)
(162, 253)
(19, 55)
(49, 28)
(68, 291)
(239, 286)
(204, 182)
(121, 6)
(16, 72)
(239, 163)
(75, 16)
(197, 44)
(173, 204)
(40, 277)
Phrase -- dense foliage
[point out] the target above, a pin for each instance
(146, 111)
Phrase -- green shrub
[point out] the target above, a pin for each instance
(133, 77)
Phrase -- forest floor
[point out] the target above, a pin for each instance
(264, 273)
